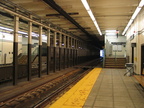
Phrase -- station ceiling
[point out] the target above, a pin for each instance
(73, 17)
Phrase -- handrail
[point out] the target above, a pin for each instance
(34, 54)
(104, 58)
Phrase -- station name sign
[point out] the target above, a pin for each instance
(118, 43)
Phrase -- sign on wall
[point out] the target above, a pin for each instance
(117, 48)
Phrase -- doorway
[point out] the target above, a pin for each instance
(142, 60)
(132, 46)
(132, 55)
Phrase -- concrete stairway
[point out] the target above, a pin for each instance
(23, 59)
(115, 63)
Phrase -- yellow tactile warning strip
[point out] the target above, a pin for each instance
(77, 95)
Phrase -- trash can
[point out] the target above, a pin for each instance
(129, 69)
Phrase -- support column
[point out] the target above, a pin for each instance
(40, 51)
(71, 53)
(29, 49)
(54, 56)
(15, 50)
(68, 52)
(71, 48)
(48, 52)
(64, 52)
(78, 57)
(74, 52)
(60, 45)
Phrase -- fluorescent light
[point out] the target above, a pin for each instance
(85, 3)
(136, 13)
(91, 15)
(128, 25)
(111, 34)
(139, 7)
(8, 29)
(141, 3)
(109, 31)
(44, 35)
(34, 34)
(125, 30)
(130, 22)
(96, 24)
(22, 32)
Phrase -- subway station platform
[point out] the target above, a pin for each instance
(103, 88)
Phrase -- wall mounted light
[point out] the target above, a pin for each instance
(139, 7)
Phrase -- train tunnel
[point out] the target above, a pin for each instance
(71, 53)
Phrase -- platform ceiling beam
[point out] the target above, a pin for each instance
(68, 17)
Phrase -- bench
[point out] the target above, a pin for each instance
(140, 79)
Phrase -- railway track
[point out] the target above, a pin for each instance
(42, 95)
(37, 93)
(60, 90)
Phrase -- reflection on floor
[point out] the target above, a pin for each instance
(114, 90)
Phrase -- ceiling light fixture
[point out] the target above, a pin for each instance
(20, 32)
(7, 29)
(110, 31)
(139, 7)
(85, 3)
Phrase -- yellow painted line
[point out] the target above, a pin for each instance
(77, 95)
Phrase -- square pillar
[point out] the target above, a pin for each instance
(40, 52)
(15, 50)
(48, 51)
(29, 48)
(54, 51)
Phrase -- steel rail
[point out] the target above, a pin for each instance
(60, 90)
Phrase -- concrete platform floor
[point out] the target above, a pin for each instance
(114, 90)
